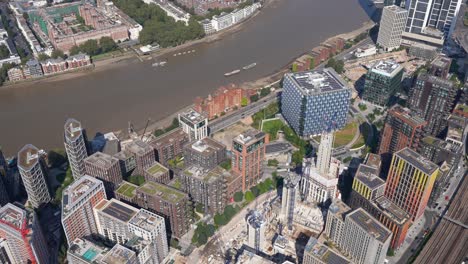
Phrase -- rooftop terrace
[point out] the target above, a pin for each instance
(323, 253)
(28, 157)
(78, 189)
(127, 189)
(147, 220)
(206, 146)
(205, 175)
(157, 169)
(119, 255)
(192, 117)
(87, 250)
(318, 81)
(417, 160)
(73, 129)
(387, 68)
(13, 215)
(165, 192)
(249, 136)
(370, 225)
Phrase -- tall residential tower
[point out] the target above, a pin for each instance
(75, 145)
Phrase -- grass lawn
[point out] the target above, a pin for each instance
(272, 127)
(344, 136)
(107, 55)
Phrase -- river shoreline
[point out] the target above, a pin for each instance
(257, 84)
(111, 62)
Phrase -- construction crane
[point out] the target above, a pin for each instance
(144, 131)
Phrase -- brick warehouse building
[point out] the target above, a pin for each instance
(224, 99)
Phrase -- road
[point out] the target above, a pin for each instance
(232, 118)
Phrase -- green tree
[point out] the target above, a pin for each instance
(238, 196)
(273, 162)
(4, 52)
(90, 47)
(255, 191)
(294, 67)
(43, 57)
(220, 219)
(311, 63)
(57, 54)
(264, 92)
(244, 101)
(75, 50)
(107, 44)
(249, 196)
(254, 98)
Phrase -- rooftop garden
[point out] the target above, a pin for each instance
(127, 189)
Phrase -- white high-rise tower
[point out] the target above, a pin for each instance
(75, 145)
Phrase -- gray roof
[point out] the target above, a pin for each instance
(370, 224)
(318, 81)
(418, 161)
(368, 175)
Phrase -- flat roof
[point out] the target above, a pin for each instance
(339, 207)
(324, 253)
(13, 215)
(387, 68)
(138, 147)
(146, 220)
(391, 209)
(370, 224)
(79, 188)
(441, 61)
(127, 189)
(395, 8)
(168, 138)
(373, 160)
(73, 129)
(318, 81)
(119, 255)
(193, 117)
(119, 210)
(165, 192)
(369, 176)
(250, 136)
(206, 146)
(28, 157)
(204, 174)
(157, 169)
(408, 116)
(87, 250)
(417, 160)
(102, 160)
(435, 80)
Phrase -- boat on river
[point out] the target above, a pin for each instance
(227, 74)
(250, 66)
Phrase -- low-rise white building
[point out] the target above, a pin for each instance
(225, 20)
(365, 51)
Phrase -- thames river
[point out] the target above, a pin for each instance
(135, 91)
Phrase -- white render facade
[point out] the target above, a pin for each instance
(75, 146)
(392, 25)
(194, 124)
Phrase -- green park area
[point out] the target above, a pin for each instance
(346, 135)
(272, 127)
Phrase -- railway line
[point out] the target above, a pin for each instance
(449, 242)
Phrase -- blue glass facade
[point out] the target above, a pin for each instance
(312, 101)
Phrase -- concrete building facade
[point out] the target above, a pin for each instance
(34, 172)
(75, 146)
(206, 153)
(194, 124)
(392, 25)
